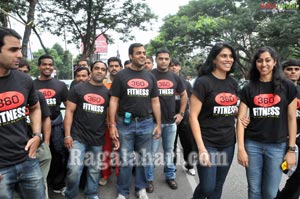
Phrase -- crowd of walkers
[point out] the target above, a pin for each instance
(117, 118)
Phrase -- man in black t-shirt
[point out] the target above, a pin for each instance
(55, 92)
(168, 85)
(81, 64)
(134, 98)
(18, 165)
(291, 190)
(43, 153)
(184, 130)
(84, 131)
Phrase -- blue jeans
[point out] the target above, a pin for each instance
(212, 178)
(26, 177)
(263, 172)
(134, 136)
(91, 156)
(168, 134)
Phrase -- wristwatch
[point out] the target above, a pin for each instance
(182, 114)
(38, 134)
(291, 148)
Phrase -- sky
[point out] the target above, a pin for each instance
(159, 7)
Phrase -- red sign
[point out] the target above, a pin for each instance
(101, 44)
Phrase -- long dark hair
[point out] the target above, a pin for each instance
(277, 74)
(209, 65)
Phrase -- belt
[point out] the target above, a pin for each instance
(138, 118)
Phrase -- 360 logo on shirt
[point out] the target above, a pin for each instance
(94, 99)
(48, 93)
(266, 100)
(10, 100)
(226, 99)
(164, 83)
(137, 83)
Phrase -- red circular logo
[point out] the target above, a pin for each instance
(10, 100)
(94, 99)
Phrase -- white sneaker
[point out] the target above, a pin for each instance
(120, 196)
(141, 194)
(102, 181)
(61, 191)
(191, 171)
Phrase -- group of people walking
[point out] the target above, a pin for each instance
(122, 118)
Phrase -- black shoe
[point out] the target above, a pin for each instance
(150, 187)
(172, 183)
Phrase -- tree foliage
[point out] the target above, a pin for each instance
(196, 27)
(85, 20)
(62, 62)
(18, 9)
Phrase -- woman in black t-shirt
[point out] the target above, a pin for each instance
(271, 100)
(212, 114)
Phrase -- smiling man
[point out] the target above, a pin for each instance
(84, 131)
(134, 101)
(55, 92)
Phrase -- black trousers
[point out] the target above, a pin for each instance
(187, 141)
(291, 189)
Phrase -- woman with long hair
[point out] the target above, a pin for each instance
(262, 146)
(212, 119)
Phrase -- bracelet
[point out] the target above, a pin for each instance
(111, 125)
(68, 136)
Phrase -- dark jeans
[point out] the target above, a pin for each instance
(26, 177)
(212, 178)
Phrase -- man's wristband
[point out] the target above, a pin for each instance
(67, 137)
(109, 125)
(182, 114)
(291, 148)
(40, 135)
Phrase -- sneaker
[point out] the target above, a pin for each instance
(190, 171)
(141, 194)
(172, 183)
(102, 181)
(150, 187)
(94, 197)
(61, 191)
(120, 196)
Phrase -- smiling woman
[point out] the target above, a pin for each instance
(214, 99)
(272, 103)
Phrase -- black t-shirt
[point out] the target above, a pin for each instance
(268, 111)
(16, 91)
(168, 84)
(298, 109)
(44, 109)
(55, 92)
(217, 116)
(135, 90)
(189, 89)
(89, 118)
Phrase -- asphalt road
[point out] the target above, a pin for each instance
(235, 186)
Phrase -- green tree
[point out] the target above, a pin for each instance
(86, 20)
(62, 62)
(196, 27)
(18, 9)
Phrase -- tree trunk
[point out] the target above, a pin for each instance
(28, 26)
(3, 20)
